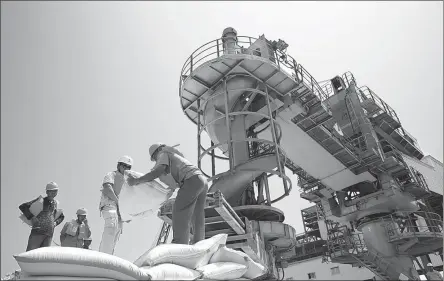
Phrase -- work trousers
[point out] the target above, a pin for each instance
(189, 208)
(37, 240)
(111, 231)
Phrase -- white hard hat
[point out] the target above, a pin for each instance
(52, 186)
(82, 211)
(126, 160)
(154, 147)
(429, 264)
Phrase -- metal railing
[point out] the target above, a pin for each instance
(345, 243)
(269, 147)
(365, 93)
(404, 224)
(348, 78)
(215, 49)
(406, 137)
(411, 176)
(304, 76)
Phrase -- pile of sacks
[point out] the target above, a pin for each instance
(207, 259)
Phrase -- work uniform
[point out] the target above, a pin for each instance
(43, 230)
(110, 213)
(433, 275)
(190, 200)
(73, 233)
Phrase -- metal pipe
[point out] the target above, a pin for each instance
(198, 135)
(267, 190)
(228, 122)
(273, 133)
(213, 161)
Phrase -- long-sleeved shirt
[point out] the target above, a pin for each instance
(433, 276)
(45, 219)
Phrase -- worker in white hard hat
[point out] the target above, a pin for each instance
(43, 222)
(75, 231)
(190, 200)
(432, 274)
(109, 205)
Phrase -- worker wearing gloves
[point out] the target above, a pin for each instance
(190, 201)
(45, 221)
(109, 205)
(432, 274)
(87, 243)
(75, 231)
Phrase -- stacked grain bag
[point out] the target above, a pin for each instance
(207, 259)
(66, 263)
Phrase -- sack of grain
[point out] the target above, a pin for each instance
(223, 270)
(225, 254)
(77, 262)
(189, 256)
(169, 271)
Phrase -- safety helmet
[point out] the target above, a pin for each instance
(52, 186)
(82, 211)
(154, 147)
(126, 160)
(429, 264)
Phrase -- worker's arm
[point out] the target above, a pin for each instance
(59, 220)
(63, 232)
(88, 229)
(150, 176)
(109, 192)
(25, 209)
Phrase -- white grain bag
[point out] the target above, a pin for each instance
(223, 270)
(225, 254)
(77, 262)
(169, 271)
(26, 276)
(140, 200)
(190, 256)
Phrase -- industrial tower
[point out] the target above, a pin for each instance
(263, 112)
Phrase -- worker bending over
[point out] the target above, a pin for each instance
(190, 200)
(75, 231)
(45, 221)
(109, 205)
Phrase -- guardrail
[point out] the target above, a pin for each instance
(365, 93)
(402, 224)
(215, 49)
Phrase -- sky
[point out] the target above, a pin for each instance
(83, 83)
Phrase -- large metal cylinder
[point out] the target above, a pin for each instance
(376, 238)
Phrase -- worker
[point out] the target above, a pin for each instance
(190, 200)
(432, 274)
(75, 231)
(87, 243)
(109, 205)
(45, 221)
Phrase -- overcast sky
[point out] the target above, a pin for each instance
(83, 83)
